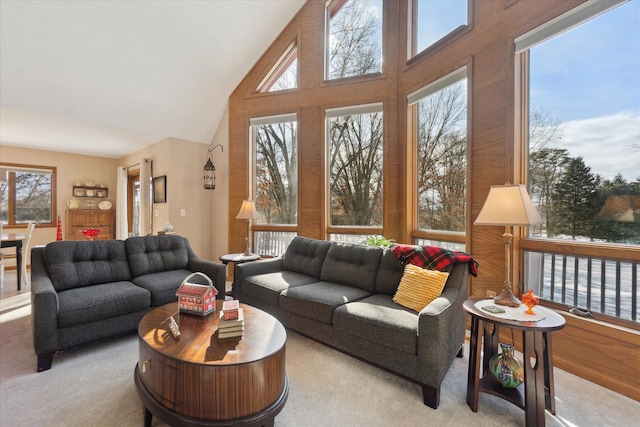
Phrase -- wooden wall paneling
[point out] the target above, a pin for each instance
(488, 47)
(312, 215)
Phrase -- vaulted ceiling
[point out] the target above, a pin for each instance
(108, 78)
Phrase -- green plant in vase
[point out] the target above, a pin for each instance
(379, 241)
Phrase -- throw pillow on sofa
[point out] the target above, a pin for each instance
(419, 286)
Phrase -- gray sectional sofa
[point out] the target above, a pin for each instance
(341, 294)
(82, 291)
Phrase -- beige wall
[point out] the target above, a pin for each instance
(205, 220)
(183, 162)
(71, 168)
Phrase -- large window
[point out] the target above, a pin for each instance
(355, 166)
(275, 181)
(354, 38)
(433, 20)
(276, 169)
(284, 75)
(441, 155)
(584, 156)
(27, 194)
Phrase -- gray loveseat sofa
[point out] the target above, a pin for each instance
(341, 294)
(82, 291)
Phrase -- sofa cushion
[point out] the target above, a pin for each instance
(419, 286)
(95, 303)
(163, 286)
(267, 287)
(351, 264)
(389, 273)
(378, 319)
(73, 264)
(318, 300)
(305, 256)
(153, 254)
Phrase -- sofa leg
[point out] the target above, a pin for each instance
(45, 361)
(431, 396)
(460, 352)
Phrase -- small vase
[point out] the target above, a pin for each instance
(506, 368)
(530, 300)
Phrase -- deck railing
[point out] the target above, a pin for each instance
(586, 285)
(272, 243)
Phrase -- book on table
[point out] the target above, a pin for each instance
(230, 334)
(236, 331)
(231, 322)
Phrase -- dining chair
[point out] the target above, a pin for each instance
(25, 251)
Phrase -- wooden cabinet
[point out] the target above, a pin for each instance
(80, 219)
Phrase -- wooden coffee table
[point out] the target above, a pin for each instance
(199, 379)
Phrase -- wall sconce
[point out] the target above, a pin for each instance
(210, 170)
(508, 205)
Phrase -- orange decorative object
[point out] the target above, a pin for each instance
(530, 300)
(91, 232)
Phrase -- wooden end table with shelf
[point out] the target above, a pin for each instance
(237, 259)
(537, 392)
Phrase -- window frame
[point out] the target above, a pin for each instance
(524, 243)
(412, 33)
(331, 8)
(350, 110)
(11, 168)
(254, 122)
(413, 98)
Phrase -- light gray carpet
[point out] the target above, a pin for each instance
(93, 386)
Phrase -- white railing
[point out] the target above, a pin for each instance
(590, 285)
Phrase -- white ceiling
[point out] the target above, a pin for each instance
(108, 78)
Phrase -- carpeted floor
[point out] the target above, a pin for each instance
(93, 386)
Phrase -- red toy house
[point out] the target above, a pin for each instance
(197, 299)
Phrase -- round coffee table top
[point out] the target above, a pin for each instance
(263, 336)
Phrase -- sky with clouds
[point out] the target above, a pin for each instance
(588, 79)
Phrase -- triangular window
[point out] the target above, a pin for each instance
(284, 75)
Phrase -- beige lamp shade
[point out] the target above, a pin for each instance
(508, 205)
(247, 210)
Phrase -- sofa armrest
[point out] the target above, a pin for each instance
(244, 270)
(44, 305)
(215, 270)
(442, 324)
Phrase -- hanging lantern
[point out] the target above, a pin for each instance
(210, 171)
(209, 175)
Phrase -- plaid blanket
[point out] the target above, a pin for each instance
(433, 257)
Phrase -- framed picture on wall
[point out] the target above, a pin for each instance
(160, 189)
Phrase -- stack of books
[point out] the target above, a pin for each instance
(231, 322)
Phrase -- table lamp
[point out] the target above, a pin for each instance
(248, 212)
(508, 205)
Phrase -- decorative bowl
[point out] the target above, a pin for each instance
(91, 193)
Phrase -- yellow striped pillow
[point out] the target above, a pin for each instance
(419, 286)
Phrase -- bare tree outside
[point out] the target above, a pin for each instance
(355, 38)
(31, 198)
(276, 190)
(355, 139)
(356, 169)
(442, 159)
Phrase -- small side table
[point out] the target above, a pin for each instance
(237, 259)
(537, 391)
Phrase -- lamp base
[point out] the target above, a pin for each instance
(506, 297)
